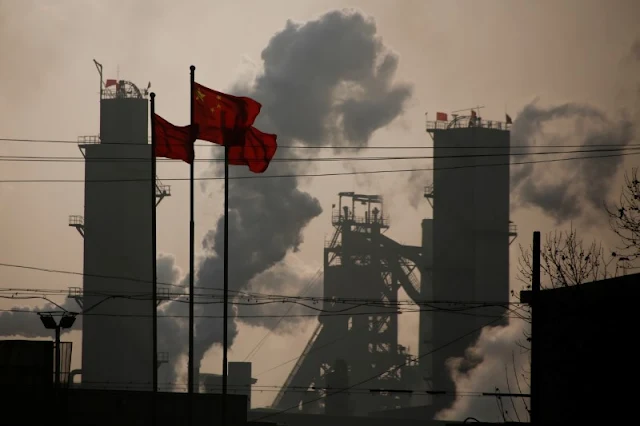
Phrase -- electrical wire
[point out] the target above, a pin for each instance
(243, 294)
(258, 345)
(80, 142)
(295, 175)
(65, 160)
(146, 316)
(276, 388)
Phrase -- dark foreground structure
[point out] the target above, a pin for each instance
(31, 398)
(90, 407)
(582, 339)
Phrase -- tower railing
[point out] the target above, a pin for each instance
(461, 123)
(338, 219)
(89, 140)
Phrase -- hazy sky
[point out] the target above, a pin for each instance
(455, 54)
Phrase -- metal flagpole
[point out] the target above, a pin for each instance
(191, 260)
(154, 271)
(225, 313)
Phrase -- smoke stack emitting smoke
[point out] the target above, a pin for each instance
(327, 81)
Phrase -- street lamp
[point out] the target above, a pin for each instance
(67, 320)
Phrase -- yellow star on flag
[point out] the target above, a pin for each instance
(200, 95)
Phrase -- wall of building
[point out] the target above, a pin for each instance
(117, 332)
(470, 236)
(583, 338)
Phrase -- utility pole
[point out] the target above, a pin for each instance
(535, 291)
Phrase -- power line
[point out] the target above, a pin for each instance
(59, 159)
(125, 143)
(243, 294)
(368, 172)
(327, 314)
(276, 388)
(258, 345)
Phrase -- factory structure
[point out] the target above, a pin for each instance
(116, 226)
(464, 258)
(458, 277)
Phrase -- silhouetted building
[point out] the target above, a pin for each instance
(117, 283)
(360, 262)
(466, 244)
(582, 339)
(239, 381)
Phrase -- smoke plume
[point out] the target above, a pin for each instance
(25, 323)
(569, 190)
(327, 81)
(499, 364)
(28, 325)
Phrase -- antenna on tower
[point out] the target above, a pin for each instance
(469, 109)
(99, 67)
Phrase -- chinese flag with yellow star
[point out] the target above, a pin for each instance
(255, 151)
(220, 116)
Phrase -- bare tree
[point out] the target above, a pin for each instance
(625, 217)
(565, 260)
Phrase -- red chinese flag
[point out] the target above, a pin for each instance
(441, 116)
(110, 82)
(256, 151)
(172, 141)
(216, 113)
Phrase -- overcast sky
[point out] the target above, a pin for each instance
(455, 54)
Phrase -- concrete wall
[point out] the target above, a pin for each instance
(117, 332)
(470, 236)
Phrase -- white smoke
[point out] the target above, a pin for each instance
(501, 366)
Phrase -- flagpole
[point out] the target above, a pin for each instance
(225, 297)
(154, 290)
(191, 258)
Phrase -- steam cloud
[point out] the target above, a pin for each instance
(28, 325)
(499, 365)
(576, 189)
(327, 81)
(568, 190)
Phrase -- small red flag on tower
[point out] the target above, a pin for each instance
(441, 116)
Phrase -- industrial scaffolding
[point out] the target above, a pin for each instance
(360, 263)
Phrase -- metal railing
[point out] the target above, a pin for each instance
(75, 292)
(461, 123)
(338, 219)
(89, 140)
(513, 228)
(76, 220)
